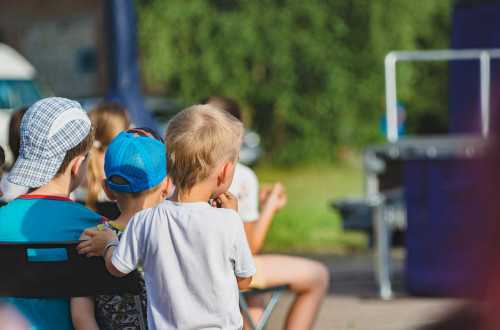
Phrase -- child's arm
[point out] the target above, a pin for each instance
(109, 265)
(243, 282)
(226, 201)
(271, 201)
(84, 236)
(98, 244)
(96, 241)
(82, 313)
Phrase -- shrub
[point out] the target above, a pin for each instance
(308, 74)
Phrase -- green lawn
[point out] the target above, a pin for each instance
(308, 223)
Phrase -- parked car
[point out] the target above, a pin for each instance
(19, 86)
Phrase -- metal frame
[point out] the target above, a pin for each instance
(483, 55)
(383, 268)
(276, 291)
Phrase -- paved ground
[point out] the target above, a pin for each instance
(352, 302)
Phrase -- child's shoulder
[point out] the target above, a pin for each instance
(200, 209)
(221, 215)
(145, 214)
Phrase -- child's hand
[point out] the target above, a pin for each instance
(226, 200)
(274, 197)
(97, 242)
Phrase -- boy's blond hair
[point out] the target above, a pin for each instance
(198, 139)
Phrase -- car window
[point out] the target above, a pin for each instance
(18, 93)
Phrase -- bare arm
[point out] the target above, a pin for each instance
(84, 236)
(243, 282)
(82, 313)
(109, 265)
(96, 241)
(272, 200)
(95, 246)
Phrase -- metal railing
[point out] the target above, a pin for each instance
(483, 55)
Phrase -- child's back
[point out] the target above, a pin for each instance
(197, 247)
(56, 137)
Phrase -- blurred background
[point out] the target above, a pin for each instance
(309, 76)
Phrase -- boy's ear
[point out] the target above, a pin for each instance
(75, 165)
(224, 171)
(168, 184)
(109, 193)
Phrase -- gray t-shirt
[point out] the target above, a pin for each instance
(191, 254)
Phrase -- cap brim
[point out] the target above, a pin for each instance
(34, 173)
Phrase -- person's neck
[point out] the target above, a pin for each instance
(197, 193)
(52, 188)
(131, 206)
(124, 218)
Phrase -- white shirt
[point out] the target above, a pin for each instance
(245, 187)
(191, 254)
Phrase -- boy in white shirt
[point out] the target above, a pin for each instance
(194, 255)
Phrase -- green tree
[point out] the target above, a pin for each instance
(308, 73)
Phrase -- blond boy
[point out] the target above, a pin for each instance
(195, 256)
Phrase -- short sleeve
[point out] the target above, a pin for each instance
(245, 187)
(244, 266)
(128, 255)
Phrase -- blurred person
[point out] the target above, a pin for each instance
(308, 278)
(401, 120)
(11, 319)
(56, 139)
(12, 190)
(110, 118)
(2, 161)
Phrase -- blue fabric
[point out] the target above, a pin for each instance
(450, 202)
(474, 26)
(123, 73)
(140, 159)
(45, 219)
(450, 221)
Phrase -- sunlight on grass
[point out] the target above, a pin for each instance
(308, 223)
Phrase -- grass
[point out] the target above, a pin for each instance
(308, 224)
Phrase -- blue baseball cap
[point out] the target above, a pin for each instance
(137, 155)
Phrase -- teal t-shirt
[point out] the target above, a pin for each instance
(35, 218)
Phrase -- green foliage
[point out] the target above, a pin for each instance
(308, 74)
(308, 224)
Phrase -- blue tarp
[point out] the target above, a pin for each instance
(474, 26)
(450, 224)
(451, 203)
(123, 72)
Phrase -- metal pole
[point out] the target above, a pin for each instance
(390, 98)
(382, 241)
(485, 92)
(483, 55)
